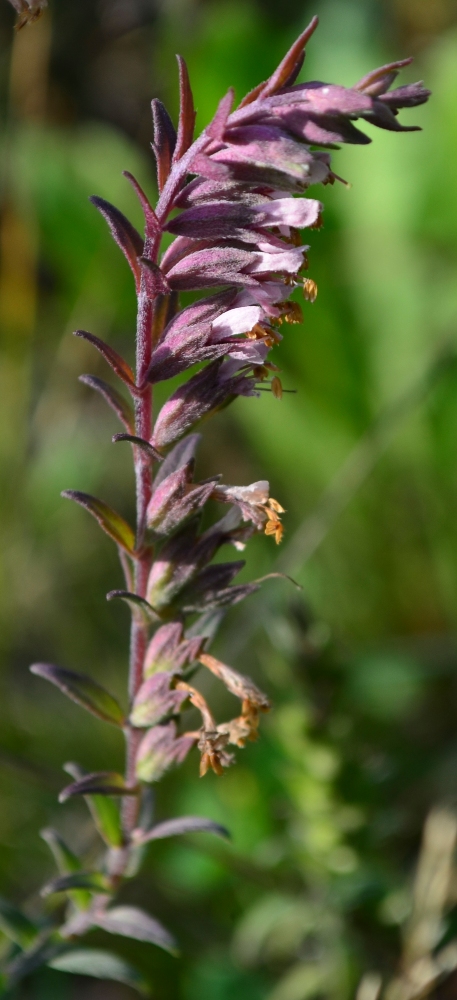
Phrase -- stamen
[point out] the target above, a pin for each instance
(309, 290)
(276, 387)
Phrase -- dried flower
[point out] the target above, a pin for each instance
(28, 11)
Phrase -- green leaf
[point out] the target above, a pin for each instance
(118, 364)
(101, 965)
(103, 809)
(84, 691)
(139, 607)
(67, 863)
(121, 406)
(131, 922)
(98, 783)
(93, 881)
(108, 519)
(16, 925)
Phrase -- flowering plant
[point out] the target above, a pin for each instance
(228, 199)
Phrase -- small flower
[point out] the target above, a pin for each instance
(255, 504)
(253, 700)
(213, 754)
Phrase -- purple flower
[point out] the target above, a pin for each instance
(235, 201)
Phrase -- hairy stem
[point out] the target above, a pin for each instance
(143, 477)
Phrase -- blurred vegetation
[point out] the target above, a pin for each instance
(327, 810)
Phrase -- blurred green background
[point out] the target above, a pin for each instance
(328, 808)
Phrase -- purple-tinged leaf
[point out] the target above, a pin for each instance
(186, 123)
(406, 97)
(131, 922)
(155, 700)
(122, 369)
(82, 690)
(384, 117)
(125, 235)
(181, 558)
(180, 455)
(234, 220)
(207, 167)
(266, 154)
(177, 827)
(100, 783)
(159, 750)
(111, 522)
(139, 442)
(152, 223)
(175, 500)
(210, 581)
(286, 69)
(103, 809)
(155, 283)
(101, 965)
(216, 127)
(205, 392)
(178, 353)
(162, 648)
(324, 130)
(287, 66)
(93, 881)
(224, 598)
(140, 608)
(166, 651)
(114, 399)
(164, 141)
(379, 80)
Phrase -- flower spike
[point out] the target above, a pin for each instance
(234, 202)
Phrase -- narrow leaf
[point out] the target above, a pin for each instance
(101, 965)
(164, 141)
(114, 399)
(108, 519)
(287, 70)
(216, 127)
(186, 122)
(66, 861)
(131, 922)
(93, 881)
(117, 363)
(104, 810)
(28, 961)
(282, 74)
(84, 691)
(176, 827)
(138, 605)
(139, 443)
(99, 783)
(180, 455)
(151, 220)
(16, 925)
(125, 235)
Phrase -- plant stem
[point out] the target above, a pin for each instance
(143, 477)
